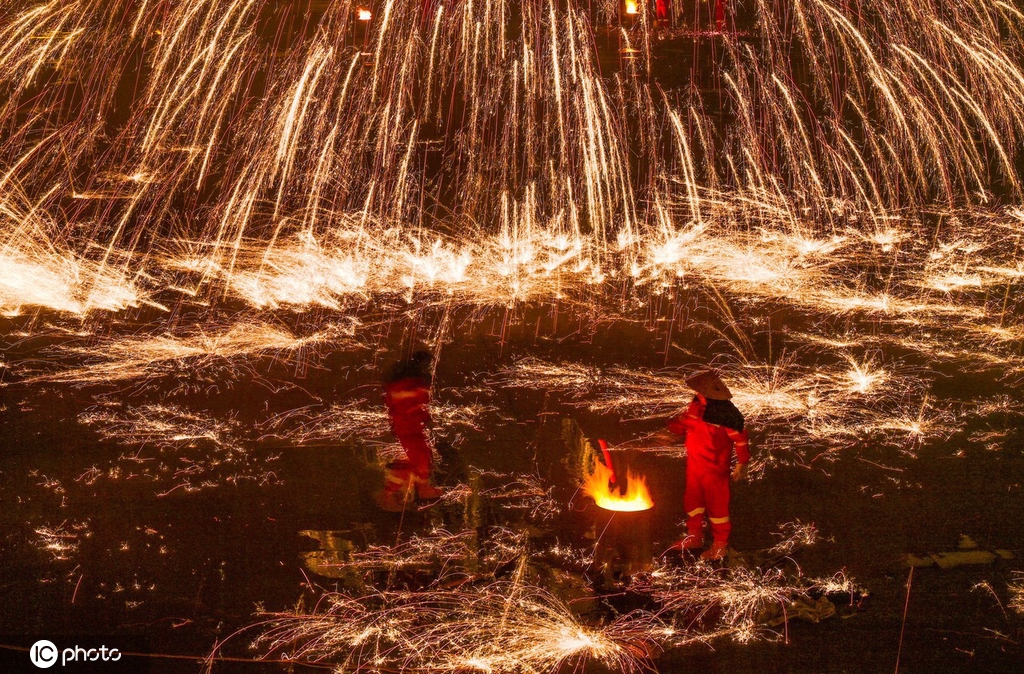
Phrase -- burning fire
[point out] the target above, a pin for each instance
(631, 8)
(636, 498)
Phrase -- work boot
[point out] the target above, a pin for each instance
(716, 552)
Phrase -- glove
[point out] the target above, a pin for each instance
(739, 473)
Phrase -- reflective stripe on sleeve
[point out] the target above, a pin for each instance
(402, 395)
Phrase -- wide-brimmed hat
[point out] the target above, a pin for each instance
(709, 385)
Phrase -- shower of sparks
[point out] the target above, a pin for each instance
(499, 627)
(742, 595)
(1017, 594)
(198, 449)
(178, 451)
(186, 183)
(737, 599)
(160, 425)
(437, 549)
(318, 165)
(380, 159)
(154, 356)
(62, 541)
(364, 419)
(513, 493)
(830, 405)
(794, 535)
(511, 626)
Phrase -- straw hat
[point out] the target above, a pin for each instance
(709, 385)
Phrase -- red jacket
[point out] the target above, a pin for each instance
(709, 446)
(408, 402)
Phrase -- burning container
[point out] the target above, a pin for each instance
(623, 543)
(621, 515)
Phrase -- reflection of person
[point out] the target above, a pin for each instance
(661, 10)
(719, 16)
(714, 430)
(407, 397)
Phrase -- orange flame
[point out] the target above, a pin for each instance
(631, 8)
(637, 497)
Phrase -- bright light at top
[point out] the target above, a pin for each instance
(365, 14)
(631, 7)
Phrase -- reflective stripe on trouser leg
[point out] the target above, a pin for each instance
(397, 477)
(695, 522)
(716, 490)
(693, 500)
(721, 527)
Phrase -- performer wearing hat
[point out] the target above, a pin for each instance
(714, 430)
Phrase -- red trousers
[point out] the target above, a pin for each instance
(707, 492)
(720, 15)
(418, 450)
(401, 476)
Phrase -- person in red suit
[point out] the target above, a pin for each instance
(714, 430)
(720, 16)
(407, 398)
(661, 11)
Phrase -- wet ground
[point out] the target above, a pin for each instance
(180, 534)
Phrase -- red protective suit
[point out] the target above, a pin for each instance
(709, 449)
(408, 403)
(661, 8)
